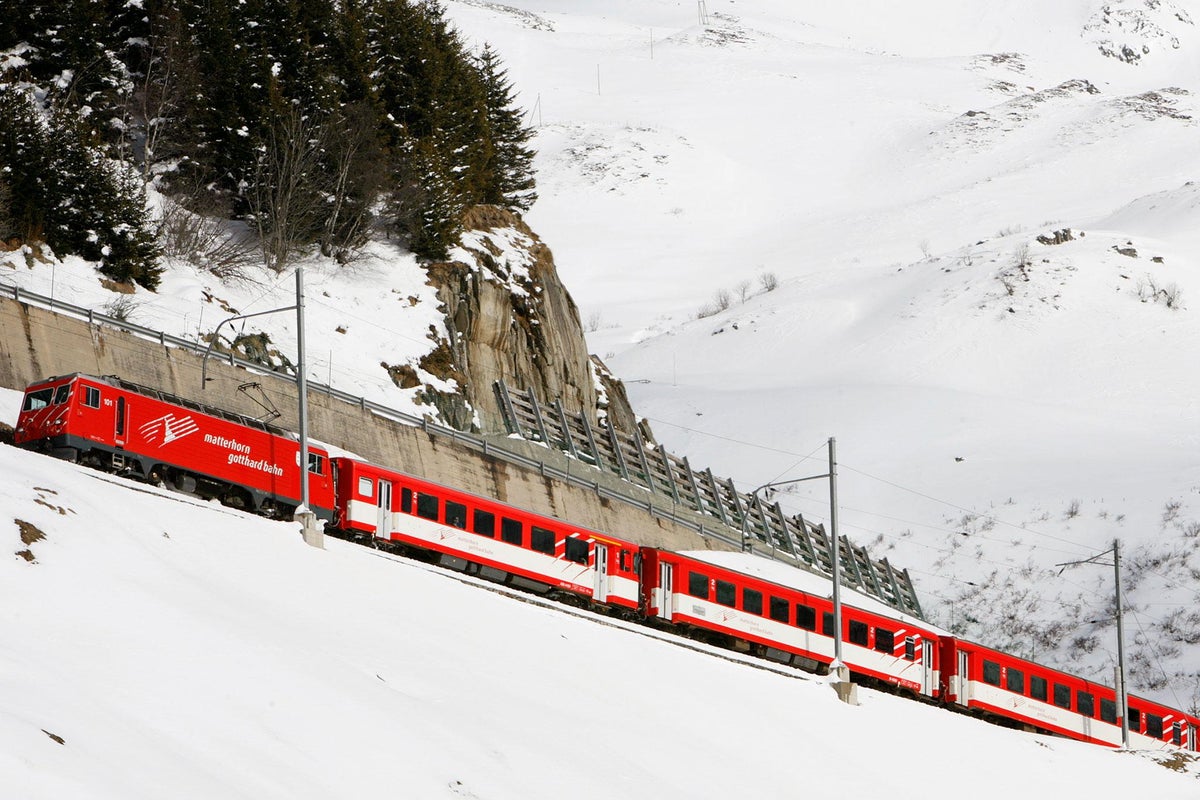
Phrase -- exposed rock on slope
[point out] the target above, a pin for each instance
(509, 317)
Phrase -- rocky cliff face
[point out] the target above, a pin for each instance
(509, 317)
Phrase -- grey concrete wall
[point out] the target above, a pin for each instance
(36, 344)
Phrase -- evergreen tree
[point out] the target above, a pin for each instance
(510, 172)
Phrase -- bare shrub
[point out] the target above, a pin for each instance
(743, 290)
(1073, 509)
(122, 307)
(1021, 255)
(1149, 291)
(206, 240)
(926, 253)
(769, 281)
(593, 322)
(722, 299)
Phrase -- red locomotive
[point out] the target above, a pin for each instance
(121, 427)
(111, 424)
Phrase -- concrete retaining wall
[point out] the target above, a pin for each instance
(36, 344)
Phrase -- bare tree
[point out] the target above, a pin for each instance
(357, 173)
(743, 290)
(284, 193)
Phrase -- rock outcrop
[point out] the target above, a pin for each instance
(509, 317)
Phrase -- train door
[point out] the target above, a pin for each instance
(383, 510)
(600, 590)
(962, 683)
(1192, 744)
(119, 427)
(927, 680)
(665, 582)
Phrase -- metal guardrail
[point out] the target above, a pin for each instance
(646, 475)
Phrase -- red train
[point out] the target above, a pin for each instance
(118, 426)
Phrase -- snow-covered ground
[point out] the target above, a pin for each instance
(159, 646)
(1001, 406)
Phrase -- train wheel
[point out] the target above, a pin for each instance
(236, 498)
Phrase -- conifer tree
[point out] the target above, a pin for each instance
(510, 172)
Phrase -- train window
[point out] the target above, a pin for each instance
(91, 397)
(827, 623)
(779, 610)
(991, 673)
(366, 487)
(427, 506)
(1135, 720)
(406, 500)
(910, 648)
(752, 601)
(1085, 704)
(623, 560)
(577, 550)
(1154, 728)
(1177, 734)
(806, 617)
(885, 641)
(1062, 696)
(316, 463)
(1014, 681)
(858, 632)
(698, 585)
(726, 594)
(1037, 688)
(541, 539)
(63, 393)
(456, 515)
(484, 523)
(512, 531)
(1108, 711)
(35, 401)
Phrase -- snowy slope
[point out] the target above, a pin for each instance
(157, 646)
(1001, 406)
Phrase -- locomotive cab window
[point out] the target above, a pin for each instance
(577, 550)
(698, 585)
(885, 640)
(512, 531)
(456, 515)
(726, 594)
(316, 463)
(858, 632)
(63, 394)
(991, 673)
(485, 523)
(1062, 696)
(752, 601)
(1037, 688)
(779, 609)
(35, 401)
(91, 397)
(541, 539)
(427, 506)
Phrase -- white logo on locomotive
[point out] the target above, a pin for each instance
(169, 428)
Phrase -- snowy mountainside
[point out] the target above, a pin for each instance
(1001, 405)
(163, 646)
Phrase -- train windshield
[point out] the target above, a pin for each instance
(35, 401)
(62, 394)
